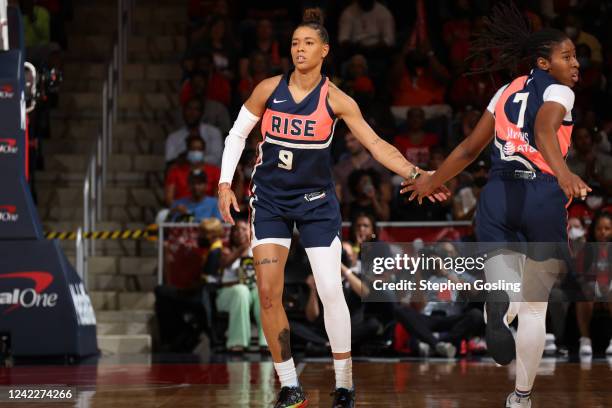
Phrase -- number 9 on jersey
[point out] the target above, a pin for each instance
(285, 158)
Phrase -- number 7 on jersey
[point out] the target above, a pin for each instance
(521, 98)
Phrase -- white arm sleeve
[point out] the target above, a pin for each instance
(561, 94)
(495, 98)
(234, 144)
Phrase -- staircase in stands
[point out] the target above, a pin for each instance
(123, 274)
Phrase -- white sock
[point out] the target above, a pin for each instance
(286, 373)
(344, 373)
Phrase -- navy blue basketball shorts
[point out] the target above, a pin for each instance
(524, 210)
(316, 216)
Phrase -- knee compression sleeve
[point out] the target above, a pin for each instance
(325, 264)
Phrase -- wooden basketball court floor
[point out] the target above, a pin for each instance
(379, 383)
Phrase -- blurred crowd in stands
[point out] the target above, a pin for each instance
(404, 62)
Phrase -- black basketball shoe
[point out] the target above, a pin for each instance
(343, 398)
(291, 397)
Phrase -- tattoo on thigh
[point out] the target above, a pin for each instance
(266, 261)
(283, 339)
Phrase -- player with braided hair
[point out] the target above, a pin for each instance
(530, 122)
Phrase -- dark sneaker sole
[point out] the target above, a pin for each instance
(500, 341)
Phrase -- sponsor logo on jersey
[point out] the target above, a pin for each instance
(509, 149)
(315, 196)
(513, 134)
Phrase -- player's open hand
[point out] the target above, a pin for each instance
(573, 186)
(227, 199)
(423, 186)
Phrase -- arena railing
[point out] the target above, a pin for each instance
(389, 225)
(97, 164)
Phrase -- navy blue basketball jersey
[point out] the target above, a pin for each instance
(294, 157)
(515, 107)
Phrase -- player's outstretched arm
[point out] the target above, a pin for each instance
(248, 117)
(461, 157)
(548, 121)
(386, 154)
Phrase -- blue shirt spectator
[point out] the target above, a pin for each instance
(197, 207)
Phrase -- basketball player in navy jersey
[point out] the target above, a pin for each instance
(292, 185)
(529, 121)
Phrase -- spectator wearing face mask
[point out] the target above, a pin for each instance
(593, 167)
(192, 117)
(198, 206)
(576, 232)
(177, 182)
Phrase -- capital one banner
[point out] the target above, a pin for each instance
(43, 303)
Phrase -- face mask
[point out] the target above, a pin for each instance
(195, 156)
(575, 233)
(571, 32)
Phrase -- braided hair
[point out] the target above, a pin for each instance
(313, 18)
(506, 31)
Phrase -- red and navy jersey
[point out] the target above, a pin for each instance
(515, 107)
(294, 157)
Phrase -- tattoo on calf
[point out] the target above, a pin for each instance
(283, 339)
(266, 261)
